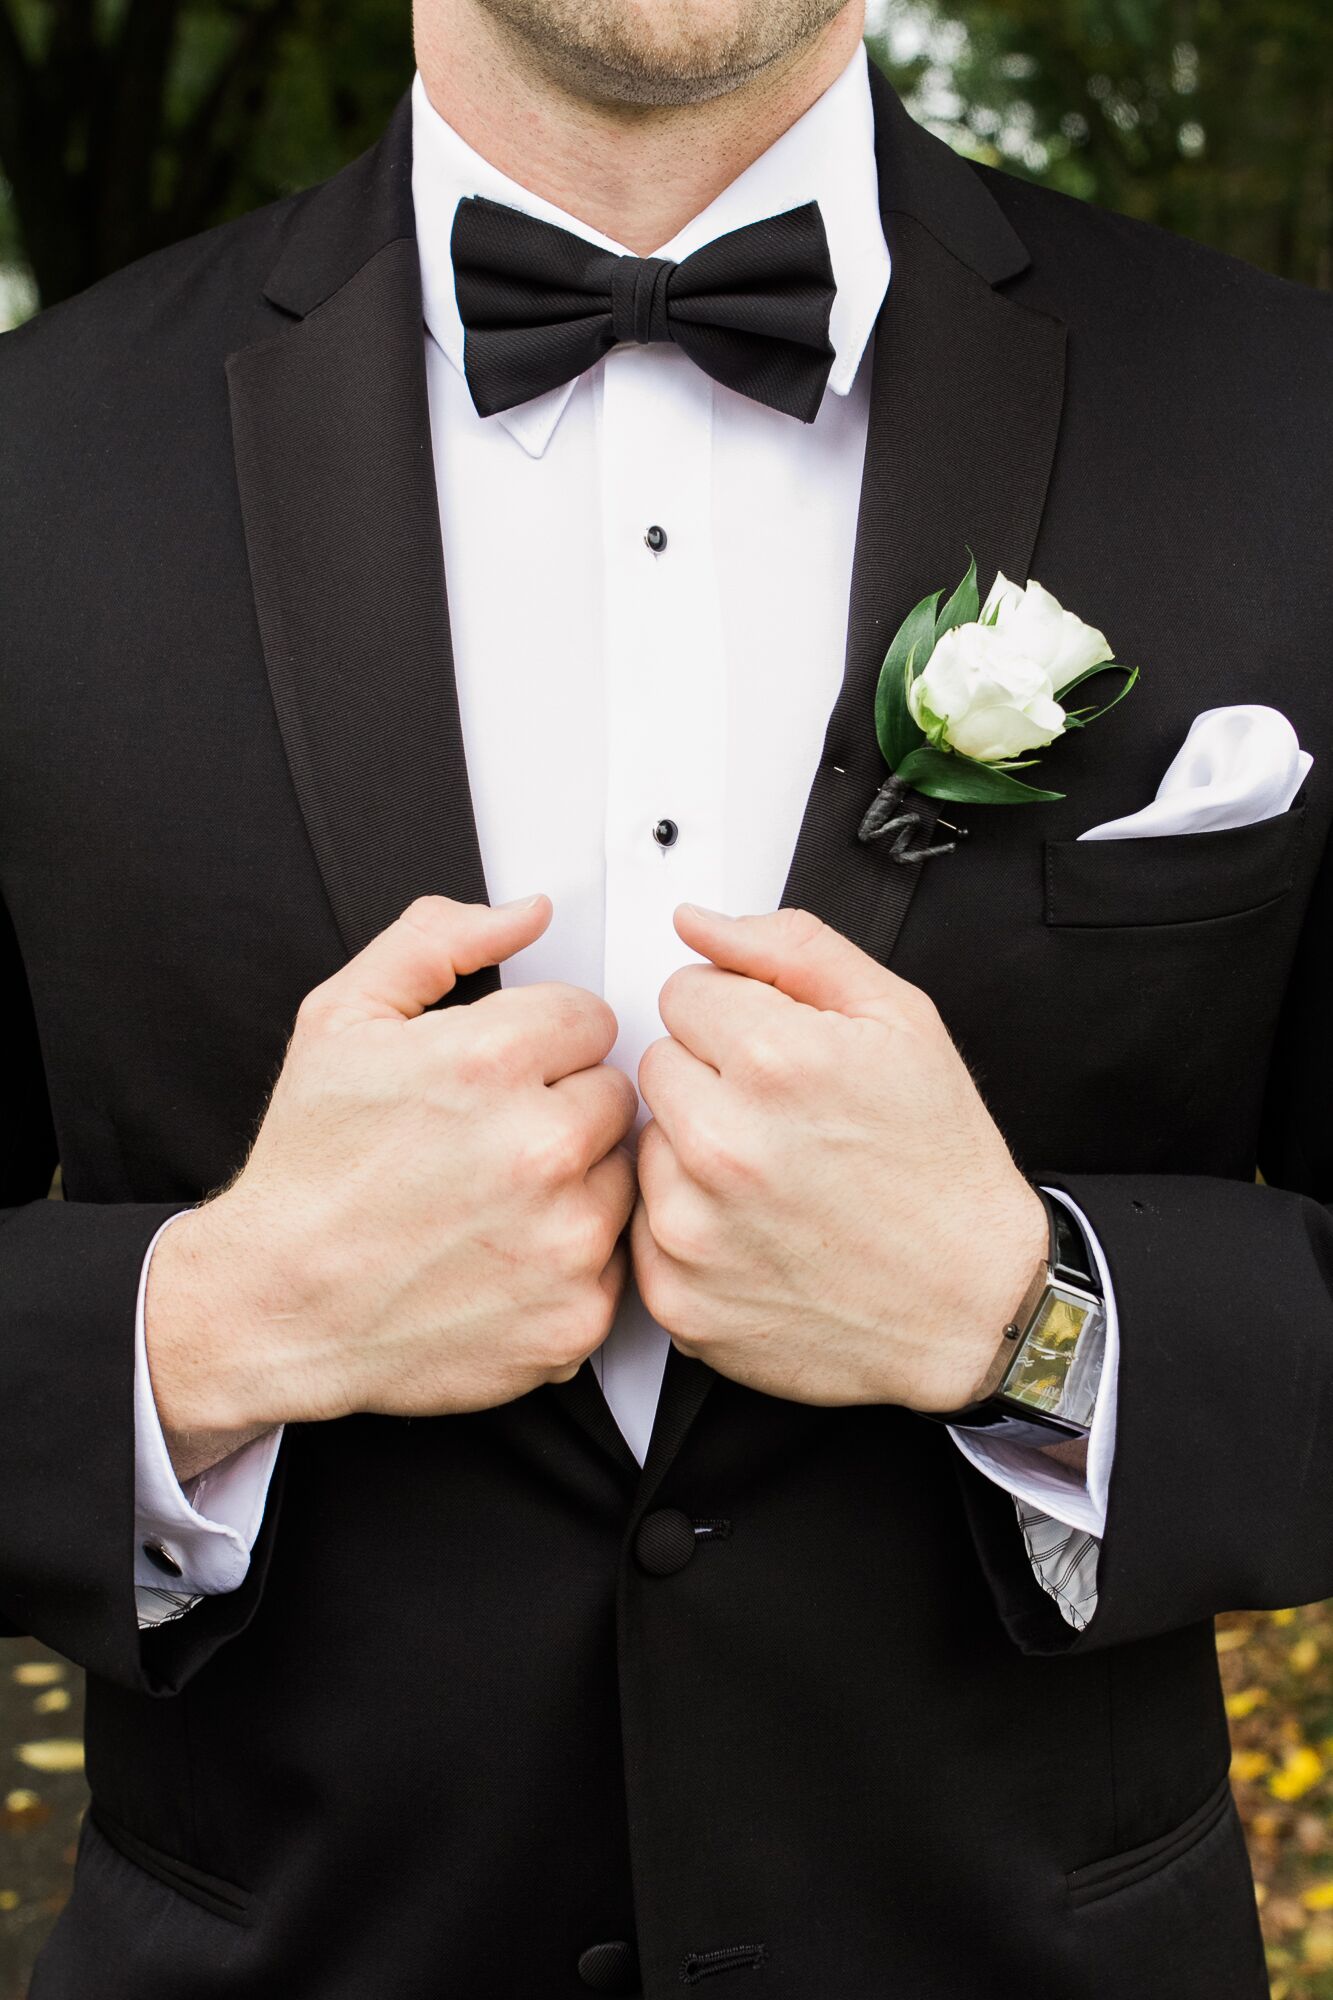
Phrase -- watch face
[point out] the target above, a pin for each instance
(1043, 1376)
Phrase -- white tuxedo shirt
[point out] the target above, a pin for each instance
(605, 687)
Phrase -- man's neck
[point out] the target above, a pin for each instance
(635, 173)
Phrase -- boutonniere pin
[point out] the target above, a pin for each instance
(967, 693)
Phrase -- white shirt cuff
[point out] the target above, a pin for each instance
(208, 1527)
(1037, 1482)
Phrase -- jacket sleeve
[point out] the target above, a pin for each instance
(1221, 1490)
(69, 1276)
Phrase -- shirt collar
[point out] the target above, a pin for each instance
(827, 156)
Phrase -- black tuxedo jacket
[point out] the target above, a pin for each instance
(473, 1713)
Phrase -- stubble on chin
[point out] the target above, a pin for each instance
(658, 52)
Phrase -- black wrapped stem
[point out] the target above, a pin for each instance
(892, 816)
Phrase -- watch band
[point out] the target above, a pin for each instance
(1038, 1388)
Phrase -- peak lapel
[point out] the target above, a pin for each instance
(966, 394)
(333, 457)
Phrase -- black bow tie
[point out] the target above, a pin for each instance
(539, 305)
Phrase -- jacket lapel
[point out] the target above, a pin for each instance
(331, 429)
(966, 394)
(333, 458)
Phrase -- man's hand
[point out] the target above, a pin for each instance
(826, 1210)
(428, 1218)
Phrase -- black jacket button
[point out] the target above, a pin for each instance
(665, 1541)
(610, 1968)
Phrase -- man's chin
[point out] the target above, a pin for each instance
(632, 52)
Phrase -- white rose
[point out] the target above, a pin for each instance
(982, 696)
(1036, 625)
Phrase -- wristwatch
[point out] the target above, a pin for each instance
(1042, 1384)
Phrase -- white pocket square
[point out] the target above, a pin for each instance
(1236, 766)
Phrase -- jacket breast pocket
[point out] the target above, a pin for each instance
(1177, 878)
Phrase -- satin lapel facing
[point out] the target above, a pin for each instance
(966, 397)
(333, 457)
(965, 407)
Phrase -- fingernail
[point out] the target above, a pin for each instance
(698, 910)
(518, 903)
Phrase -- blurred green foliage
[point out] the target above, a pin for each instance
(125, 124)
(1213, 118)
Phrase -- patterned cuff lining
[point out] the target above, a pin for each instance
(1064, 1562)
(160, 1607)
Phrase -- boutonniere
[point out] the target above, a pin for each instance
(967, 693)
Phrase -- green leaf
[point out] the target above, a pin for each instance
(963, 607)
(1090, 673)
(1096, 714)
(912, 646)
(943, 774)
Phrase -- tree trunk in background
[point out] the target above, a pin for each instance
(128, 124)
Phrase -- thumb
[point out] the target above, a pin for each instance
(793, 951)
(420, 957)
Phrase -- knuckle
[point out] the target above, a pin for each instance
(719, 1158)
(572, 1333)
(575, 1006)
(688, 987)
(767, 1061)
(316, 1012)
(548, 1156)
(585, 1243)
(655, 1290)
(676, 985)
(603, 1014)
(629, 1098)
(484, 1053)
(680, 1232)
(623, 1196)
(798, 929)
(428, 915)
(916, 1007)
(650, 1062)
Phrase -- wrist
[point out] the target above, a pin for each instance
(211, 1288)
(965, 1364)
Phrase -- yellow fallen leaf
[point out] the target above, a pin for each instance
(1304, 1656)
(38, 1673)
(9, 1899)
(56, 1753)
(1301, 1768)
(1319, 1946)
(1265, 1826)
(1235, 1636)
(1243, 1704)
(1283, 1617)
(1247, 1765)
(1261, 1893)
(1319, 1896)
(53, 1701)
(21, 1800)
